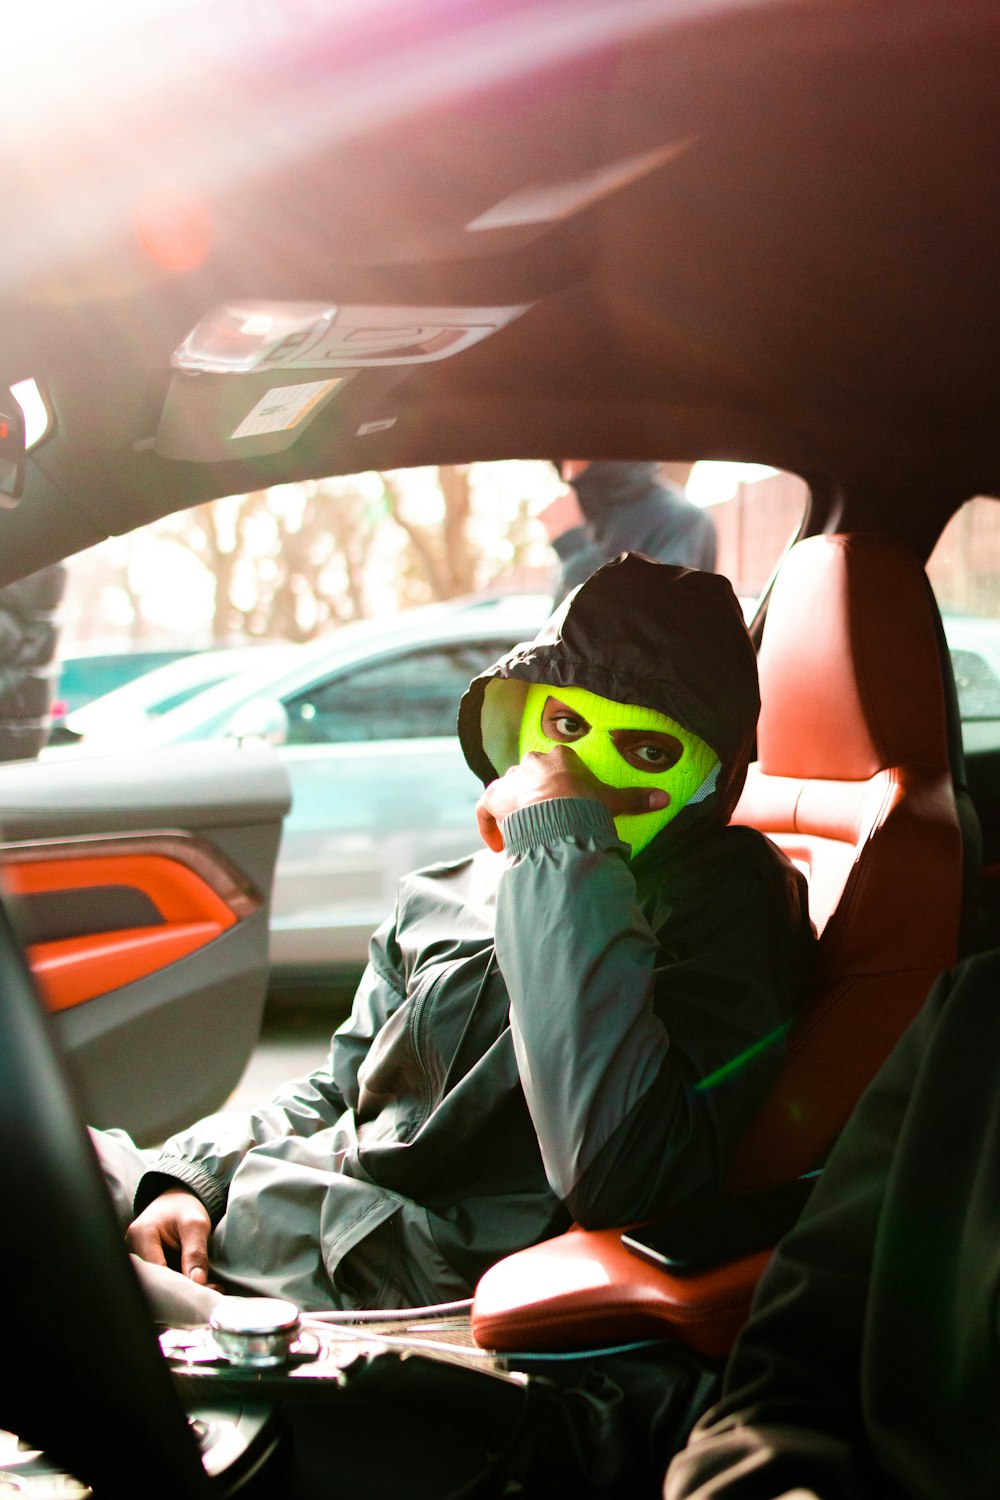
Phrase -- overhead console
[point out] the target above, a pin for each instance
(251, 376)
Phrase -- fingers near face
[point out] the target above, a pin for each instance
(489, 827)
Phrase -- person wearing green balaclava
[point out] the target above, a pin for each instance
(572, 1025)
(645, 767)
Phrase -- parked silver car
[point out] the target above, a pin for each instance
(364, 722)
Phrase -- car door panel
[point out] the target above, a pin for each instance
(141, 891)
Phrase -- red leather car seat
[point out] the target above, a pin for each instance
(854, 781)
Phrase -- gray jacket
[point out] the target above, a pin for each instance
(550, 1034)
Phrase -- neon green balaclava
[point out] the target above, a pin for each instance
(692, 777)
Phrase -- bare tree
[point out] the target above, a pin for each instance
(442, 552)
(216, 534)
(293, 561)
(287, 562)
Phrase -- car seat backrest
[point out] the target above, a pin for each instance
(854, 781)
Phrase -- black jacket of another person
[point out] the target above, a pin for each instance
(870, 1368)
(28, 636)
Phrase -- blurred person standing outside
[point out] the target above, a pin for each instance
(28, 637)
(612, 507)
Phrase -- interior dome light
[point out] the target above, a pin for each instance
(244, 336)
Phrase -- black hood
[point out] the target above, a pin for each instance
(668, 638)
(606, 483)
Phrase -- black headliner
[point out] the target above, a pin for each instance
(809, 283)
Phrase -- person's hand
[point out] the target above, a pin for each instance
(558, 773)
(561, 514)
(173, 1229)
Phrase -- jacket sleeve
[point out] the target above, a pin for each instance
(641, 1063)
(790, 1415)
(205, 1156)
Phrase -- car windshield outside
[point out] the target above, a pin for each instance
(363, 713)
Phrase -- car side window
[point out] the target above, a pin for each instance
(964, 570)
(978, 685)
(412, 695)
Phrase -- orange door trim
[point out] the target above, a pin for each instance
(178, 893)
(73, 970)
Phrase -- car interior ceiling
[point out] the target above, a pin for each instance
(653, 328)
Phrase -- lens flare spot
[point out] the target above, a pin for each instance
(173, 228)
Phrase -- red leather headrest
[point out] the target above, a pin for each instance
(850, 677)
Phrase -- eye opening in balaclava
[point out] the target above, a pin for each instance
(609, 728)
